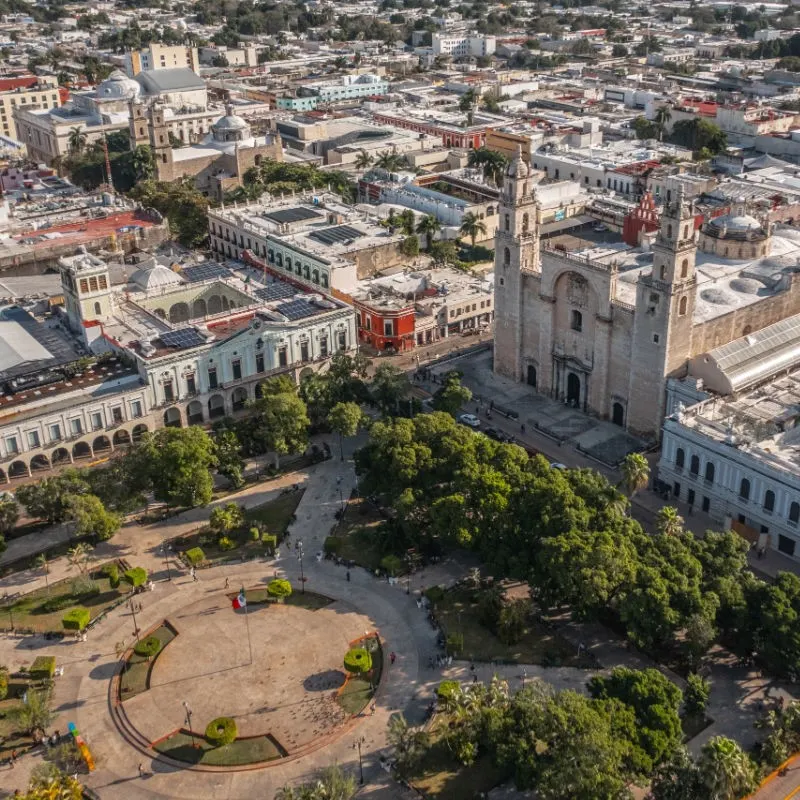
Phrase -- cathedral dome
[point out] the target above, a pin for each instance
(230, 128)
(118, 86)
(740, 223)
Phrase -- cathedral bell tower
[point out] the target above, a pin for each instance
(665, 300)
(516, 252)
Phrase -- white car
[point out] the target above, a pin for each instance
(599, 227)
(469, 419)
(557, 465)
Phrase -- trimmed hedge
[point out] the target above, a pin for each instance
(148, 647)
(43, 668)
(270, 541)
(221, 731)
(435, 594)
(195, 556)
(76, 619)
(111, 571)
(136, 576)
(455, 644)
(3, 683)
(279, 589)
(357, 661)
(332, 545)
(59, 603)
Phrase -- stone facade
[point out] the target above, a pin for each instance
(561, 328)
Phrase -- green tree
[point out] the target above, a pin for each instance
(699, 134)
(181, 203)
(406, 221)
(696, 694)
(452, 395)
(677, 779)
(9, 514)
(43, 564)
(227, 518)
(726, 771)
(80, 556)
(143, 163)
(228, 455)
(76, 141)
(345, 419)
(662, 116)
(619, 51)
(391, 162)
(91, 517)
(635, 473)
(668, 521)
(363, 160)
(333, 783)
(428, 227)
(176, 464)
(644, 128)
(389, 387)
(472, 226)
(52, 785)
(409, 247)
(655, 701)
(280, 418)
(35, 715)
(49, 499)
(409, 743)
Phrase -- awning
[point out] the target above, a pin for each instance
(565, 224)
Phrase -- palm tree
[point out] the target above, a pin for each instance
(495, 167)
(635, 473)
(662, 117)
(76, 140)
(390, 161)
(472, 225)
(363, 159)
(406, 222)
(41, 561)
(428, 226)
(727, 772)
(78, 556)
(668, 521)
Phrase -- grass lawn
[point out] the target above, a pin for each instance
(252, 750)
(357, 692)
(441, 776)
(275, 516)
(10, 738)
(31, 611)
(358, 532)
(134, 678)
(310, 600)
(458, 613)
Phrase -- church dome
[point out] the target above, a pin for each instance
(230, 122)
(230, 128)
(741, 223)
(155, 276)
(118, 86)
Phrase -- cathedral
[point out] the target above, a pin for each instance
(603, 331)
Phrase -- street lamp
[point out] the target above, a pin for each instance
(166, 561)
(357, 746)
(9, 608)
(341, 496)
(298, 546)
(188, 721)
(133, 612)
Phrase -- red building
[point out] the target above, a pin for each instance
(643, 218)
(386, 323)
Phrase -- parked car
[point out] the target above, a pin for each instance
(469, 419)
(557, 465)
(599, 227)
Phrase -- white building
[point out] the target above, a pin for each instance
(463, 45)
(735, 452)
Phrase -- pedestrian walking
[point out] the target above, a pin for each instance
(193, 573)
(141, 770)
(348, 576)
(523, 427)
(474, 678)
(392, 657)
(372, 710)
(227, 582)
(13, 758)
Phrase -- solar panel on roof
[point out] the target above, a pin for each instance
(181, 339)
(297, 309)
(205, 272)
(275, 291)
(341, 234)
(292, 214)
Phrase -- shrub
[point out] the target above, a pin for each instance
(695, 695)
(148, 647)
(226, 543)
(76, 619)
(111, 571)
(447, 690)
(136, 576)
(270, 541)
(3, 683)
(279, 589)
(83, 586)
(332, 545)
(57, 603)
(195, 556)
(357, 661)
(392, 564)
(221, 731)
(255, 534)
(43, 667)
(513, 619)
(455, 644)
(435, 594)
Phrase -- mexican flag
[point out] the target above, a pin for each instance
(239, 601)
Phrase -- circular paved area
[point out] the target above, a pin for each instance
(288, 690)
